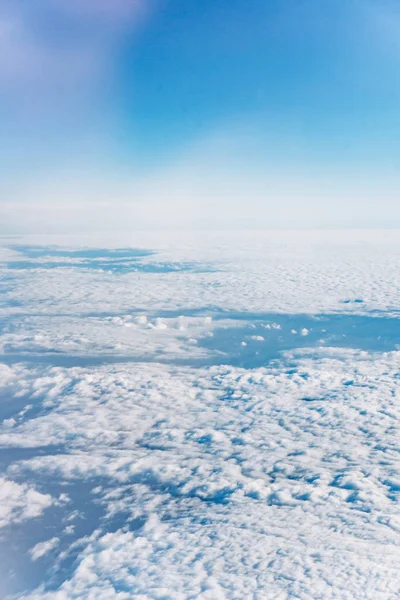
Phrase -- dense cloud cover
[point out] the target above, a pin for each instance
(201, 452)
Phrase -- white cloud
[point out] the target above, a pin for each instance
(215, 481)
(124, 335)
(43, 548)
(19, 502)
(306, 272)
(293, 473)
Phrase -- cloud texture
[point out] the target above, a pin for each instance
(172, 477)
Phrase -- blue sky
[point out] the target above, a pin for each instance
(213, 114)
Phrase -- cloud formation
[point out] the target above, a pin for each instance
(20, 502)
(43, 548)
(223, 473)
(213, 480)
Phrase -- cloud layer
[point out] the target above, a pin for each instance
(221, 474)
(275, 479)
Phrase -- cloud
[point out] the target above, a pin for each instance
(216, 481)
(125, 335)
(20, 502)
(283, 284)
(222, 473)
(43, 548)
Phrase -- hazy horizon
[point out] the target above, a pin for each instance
(161, 114)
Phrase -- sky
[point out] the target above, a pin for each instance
(170, 114)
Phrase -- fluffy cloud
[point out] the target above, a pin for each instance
(213, 481)
(19, 502)
(224, 472)
(292, 272)
(125, 335)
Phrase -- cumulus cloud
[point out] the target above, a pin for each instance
(20, 502)
(230, 471)
(203, 481)
(306, 272)
(124, 335)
